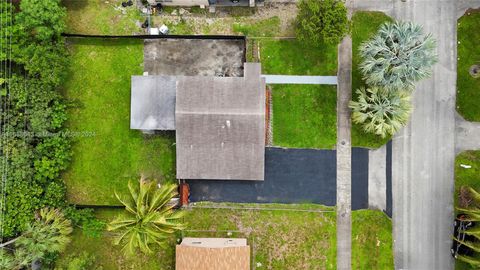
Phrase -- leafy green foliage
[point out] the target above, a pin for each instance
(7, 260)
(150, 219)
(82, 261)
(380, 111)
(398, 56)
(323, 21)
(365, 25)
(473, 212)
(34, 148)
(48, 234)
(85, 218)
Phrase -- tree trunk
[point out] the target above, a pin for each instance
(2, 245)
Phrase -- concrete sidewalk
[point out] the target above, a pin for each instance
(344, 151)
(294, 79)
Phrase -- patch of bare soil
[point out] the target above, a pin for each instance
(221, 22)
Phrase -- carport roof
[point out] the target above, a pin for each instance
(220, 126)
(153, 103)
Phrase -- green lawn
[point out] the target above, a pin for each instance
(101, 17)
(304, 116)
(109, 256)
(364, 26)
(468, 49)
(98, 85)
(265, 28)
(466, 177)
(371, 240)
(280, 239)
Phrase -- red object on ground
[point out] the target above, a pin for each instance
(184, 194)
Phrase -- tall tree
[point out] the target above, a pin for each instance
(380, 111)
(321, 21)
(397, 56)
(149, 219)
(49, 233)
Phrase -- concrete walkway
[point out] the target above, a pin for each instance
(293, 79)
(344, 172)
(377, 178)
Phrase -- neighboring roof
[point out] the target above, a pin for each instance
(214, 242)
(153, 103)
(190, 257)
(220, 126)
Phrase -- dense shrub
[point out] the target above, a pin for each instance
(321, 21)
(85, 218)
(32, 147)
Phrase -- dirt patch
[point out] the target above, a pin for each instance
(221, 22)
(192, 57)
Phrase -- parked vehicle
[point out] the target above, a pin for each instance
(460, 225)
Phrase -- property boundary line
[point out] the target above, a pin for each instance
(226, 37)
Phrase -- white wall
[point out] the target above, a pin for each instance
(185, 3)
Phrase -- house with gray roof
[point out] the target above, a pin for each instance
(219, 121)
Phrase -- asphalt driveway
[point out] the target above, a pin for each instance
(291, 176)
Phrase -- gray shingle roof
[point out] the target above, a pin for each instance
(220, 126)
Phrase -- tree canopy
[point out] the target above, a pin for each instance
(380, 111)
(321, 21)
(150, 219)
(399, 55)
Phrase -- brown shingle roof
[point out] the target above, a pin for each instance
(202, 258)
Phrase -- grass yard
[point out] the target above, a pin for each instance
(468, 49)
(280, 239)
(364, 26)
(107, 256)
(372, 243)
(98, 84)
(304, 116)
(466, 177)
(101, 17)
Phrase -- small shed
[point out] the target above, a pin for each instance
(212, 254)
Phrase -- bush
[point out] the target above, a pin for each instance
(398, 56)
(85, 218)
(380, 111)
(321, 21)
(82, 261)
(35, 108)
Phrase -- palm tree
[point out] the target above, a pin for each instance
(397, 56)
(49, 233)
(380, 111)
(472, 212)
(149, 220)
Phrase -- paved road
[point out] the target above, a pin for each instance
(424, 151)
(291, 176)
